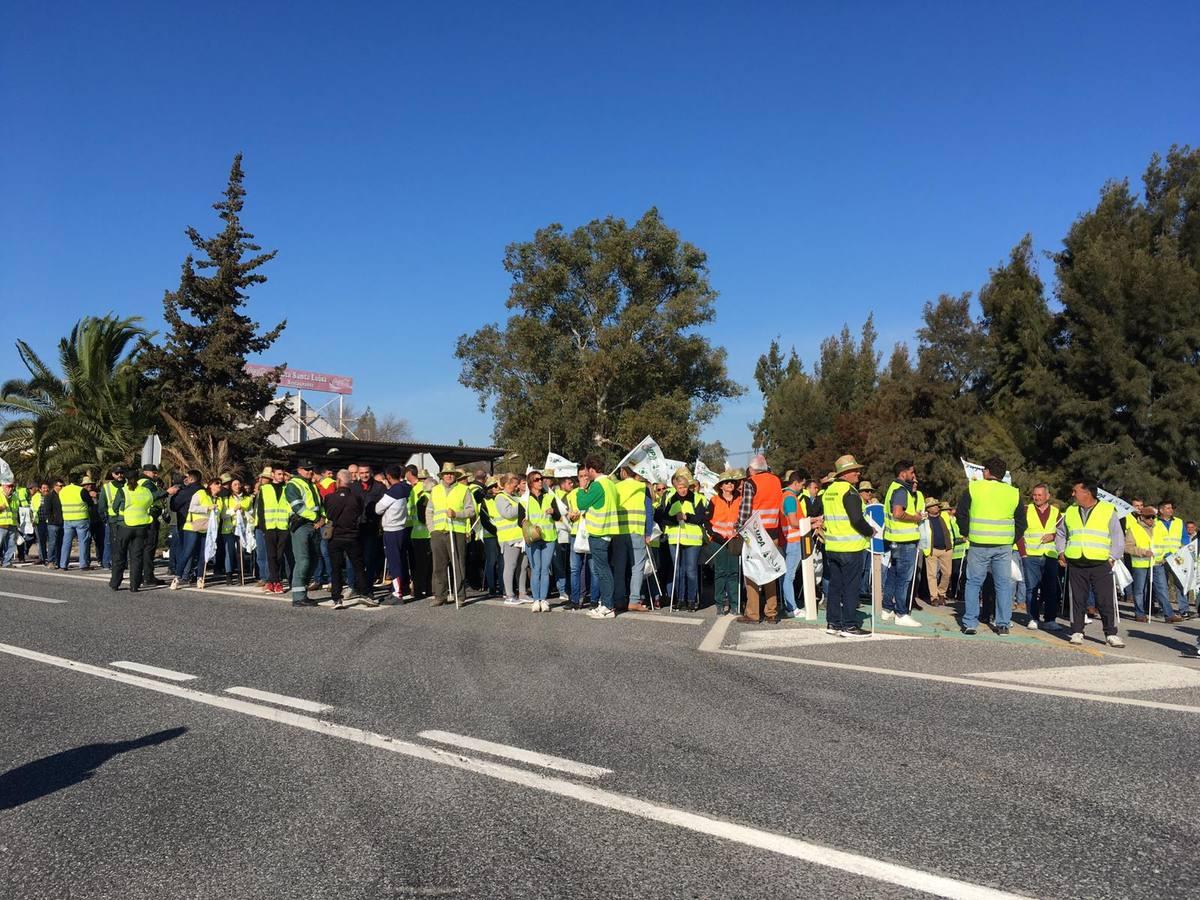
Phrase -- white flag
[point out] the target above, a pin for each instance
(647, 460)
(974, 471)
(561, 466)
(762, 562)
(245, 534)
(1123, 508)
(707, 478)
(1183, 563)
(6, 473)
(211, 537)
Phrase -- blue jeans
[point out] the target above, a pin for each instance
(602, 576)
(82, 531)
(1141, 578)
(620, 551)
(8, 545)
(864, 582)
(1162, 596)
(324, 572)
(897, 580)
(792, 558)
(540, 555)
(685, 580)
(981, 560)
(1041, 587)
(260, 553)
(53, 544)
(228, 551)
(191, 545)
(637, 567)
(579, 571)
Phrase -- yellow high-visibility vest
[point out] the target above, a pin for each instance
(993, 504)
(1034, 529)
(137, 503)
(74, 507)
(840, 535)
(1090, 541)
(442, 500)
(893, 529)
(603, 522)
(631, 506)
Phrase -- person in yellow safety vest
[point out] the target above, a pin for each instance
(9, 519)
(22, 500)
(561, 569)
(507, 517)
(579, 579)
(1039, 558)
(305, 517)
(76, 513)
(541, 512)
(939, 555)
(1089, 542)
(235, 505)
(991, 518)
(848, 533)
(598, 504)
(683, 518)
(112, 521)
(1128, 521)
(133, 505)
(1168, 539)
(204, 507)
(1139, 547)
(903, 513)
(629, 544)
(420, 556)
(493, 567)
(448, 518)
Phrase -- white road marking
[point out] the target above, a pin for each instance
(31, 597)
(828, 857)
(716, 634)
(961, 679)
(807, 637)
(280, 699)
(169, 674)
(508, 752)
(1103, 679)
(663, 616)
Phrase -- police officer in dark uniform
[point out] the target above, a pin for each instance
(150, 476)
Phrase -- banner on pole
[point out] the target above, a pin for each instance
(6, 473)
(648, 460)
(974, 471)
(561, 466)
(707, 478)
(1183, 563)
(762, 562)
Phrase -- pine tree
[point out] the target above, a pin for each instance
(200, 367)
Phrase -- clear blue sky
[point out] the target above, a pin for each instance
(830, 161)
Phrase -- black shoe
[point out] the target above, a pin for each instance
(969, 631)
(1001, 630)
(134, 590)
(153, 582)
(305, 602)
(114, 588)
(854, 631)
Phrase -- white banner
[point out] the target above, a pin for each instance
(1123, 508)
(707, 478)
(6, 473)
(647, 460)
(245, 534)
(1183, 564)
(211, 537)
(561, 466)
(974, 471)
(762, 562)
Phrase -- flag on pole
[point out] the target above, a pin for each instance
(6, 473)
(211, 536)
(1123, 508)
(762, 562)
(648, 460)
(561, 466)
(245, 534)
(974, 471)
(1183, 563)
(707, 478)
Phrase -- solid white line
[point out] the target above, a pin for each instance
(716, 634)
(526, 756)
(663, 617)
(280, 699)
(31, 597)
(169, 674)
(815, 854)
(958, 679)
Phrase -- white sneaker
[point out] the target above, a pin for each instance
(200, 583)
(907, 621)
(525, 600)
(537, 606)
(601, 612)
(1114, 640)
(887, 616)
(1032, 625)
(511, 601)
(1087, 620)
(174, 585)
(829, 629)
(1077, 637)
(1051, 626)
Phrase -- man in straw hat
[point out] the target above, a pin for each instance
(904, 511)
(447, 516)
(939, 555)
(762, 493)
(847, 535)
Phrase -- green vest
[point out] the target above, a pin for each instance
(137, 502)
(419, 530)
(604, 521)
(1089, 541)
(893, 529)
(840, 535)
(74, 507)
(993, 504)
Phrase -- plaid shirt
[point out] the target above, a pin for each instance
(747, 508)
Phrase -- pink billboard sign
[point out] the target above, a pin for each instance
(307, 381)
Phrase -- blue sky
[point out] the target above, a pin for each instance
(833, 160)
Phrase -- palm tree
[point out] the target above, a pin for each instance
(96, 414)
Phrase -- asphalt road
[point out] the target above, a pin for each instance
(770, 763)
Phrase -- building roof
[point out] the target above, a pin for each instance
(343, 451)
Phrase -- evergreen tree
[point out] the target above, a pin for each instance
(200, 367)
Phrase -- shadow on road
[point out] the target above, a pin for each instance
(53, 773)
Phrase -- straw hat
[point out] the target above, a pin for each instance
(866, 486)
(829, 478)
(226, 478)
(845, 464)
(931, 502)
(731, 475)
(682, 472)
(448, 468)
(87, 479)
(267, 472)
(424, 475)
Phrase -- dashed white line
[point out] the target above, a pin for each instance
(31, 597)
(532, 757)
(827, 857)
(279, 699)
(169, 674)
